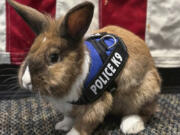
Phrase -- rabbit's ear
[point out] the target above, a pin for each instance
(36, 20)
(77, 21)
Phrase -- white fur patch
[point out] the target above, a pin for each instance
(132, 124)
(26, 79)
(73, 131)
(44, 39)
(76, 88)
(62, 104)
(65, 124)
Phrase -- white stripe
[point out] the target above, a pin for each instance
(162, 32)
(26, 79)
(3, 25)
(62, 6)
(73, 131)
(4, 56)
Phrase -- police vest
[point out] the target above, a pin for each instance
(108, 55)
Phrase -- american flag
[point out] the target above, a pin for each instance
(157, 22)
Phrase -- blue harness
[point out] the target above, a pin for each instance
(108, 56)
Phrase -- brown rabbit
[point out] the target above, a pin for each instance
(58, 64)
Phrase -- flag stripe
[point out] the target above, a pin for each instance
(3, 26)
(4, 56)
(161, 26)
(162, 32)
(129, 14)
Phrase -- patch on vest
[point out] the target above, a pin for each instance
(108, 72)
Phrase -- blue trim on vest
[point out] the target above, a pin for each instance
(96, 61)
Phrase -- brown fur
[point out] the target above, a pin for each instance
(138, 83)
(89, 116)
(57, 75)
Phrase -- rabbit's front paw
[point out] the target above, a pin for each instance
(73, 131)
(132, 124)
(65, 124)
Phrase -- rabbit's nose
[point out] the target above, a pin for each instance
(26, 79)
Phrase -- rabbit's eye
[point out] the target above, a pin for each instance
(54, 57)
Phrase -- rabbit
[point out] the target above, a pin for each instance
(58, 63)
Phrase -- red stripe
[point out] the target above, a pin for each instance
(19, 35)
(129, 14)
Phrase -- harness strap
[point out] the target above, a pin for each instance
(101, 47)
(104, 79)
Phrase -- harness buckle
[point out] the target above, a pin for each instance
(110, 36)
(97, 35)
